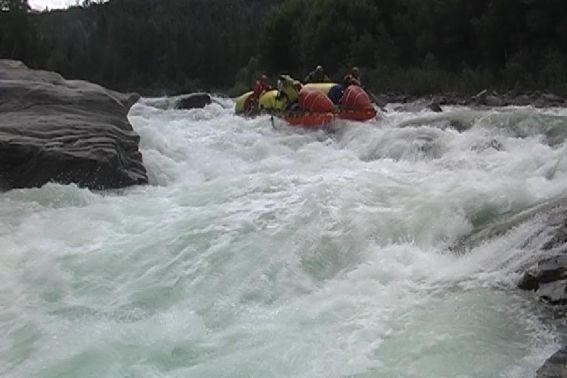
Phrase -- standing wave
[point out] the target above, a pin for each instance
(265, 250)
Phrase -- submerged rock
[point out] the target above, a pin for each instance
(458, 125)
(194, 100)
(420, 105)
(493, 101)
(65, 131)
(555, 212)
(548, 278)
(546, 100)
(435, 106)
(555, 366)
(491, 144)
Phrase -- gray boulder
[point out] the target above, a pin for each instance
(435, 106)
(65, 131)
(480, 97)
(546, 100)
(420, 105)
(493, 101)
(549, 280)
(488, 99)
(523, 100)
(193, 100)
(555, 366)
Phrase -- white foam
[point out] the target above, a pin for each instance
(282, 252)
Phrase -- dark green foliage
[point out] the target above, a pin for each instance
(146, 45)
(17, 36)
(414, 46)
(420, 46)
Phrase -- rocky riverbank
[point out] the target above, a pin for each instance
(546, 275)
(484, 98)
(64, 131)
(555, 366)
(548, 280)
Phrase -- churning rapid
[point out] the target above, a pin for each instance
(274, 251)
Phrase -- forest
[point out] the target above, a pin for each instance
(404, 46)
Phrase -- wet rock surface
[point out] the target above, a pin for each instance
(555, 366)
(193, 101)
(548, 278)
(64, 131)
(482, 99)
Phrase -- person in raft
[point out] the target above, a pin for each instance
(288, 92)
(336, 91)
(355, 73)
(318, 75)
(349, 80)
(260, 88)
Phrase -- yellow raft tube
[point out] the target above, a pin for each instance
(240, 101)
(269, 101)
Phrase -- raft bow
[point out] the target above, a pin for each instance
(316, 108)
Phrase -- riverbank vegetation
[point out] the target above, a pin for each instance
(409, 46)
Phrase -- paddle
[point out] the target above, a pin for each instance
(376, 100)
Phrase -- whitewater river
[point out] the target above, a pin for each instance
(275, 252)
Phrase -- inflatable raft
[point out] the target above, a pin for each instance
(318, 105)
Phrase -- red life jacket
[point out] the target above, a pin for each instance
(259, 88)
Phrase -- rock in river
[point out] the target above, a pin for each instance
(549, 279)
(194, 100)
(555, 366)
(65, 131)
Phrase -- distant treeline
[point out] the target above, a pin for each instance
(410, 46)
(146, 45)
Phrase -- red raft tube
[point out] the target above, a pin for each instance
(317, 110)
(356, 105)
(310, 120)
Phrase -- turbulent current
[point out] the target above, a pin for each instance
(268, 251)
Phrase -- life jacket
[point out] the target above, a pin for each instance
(317, 77)
(287, 89)
(259, 89)
(336, 93)
(251, 103)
